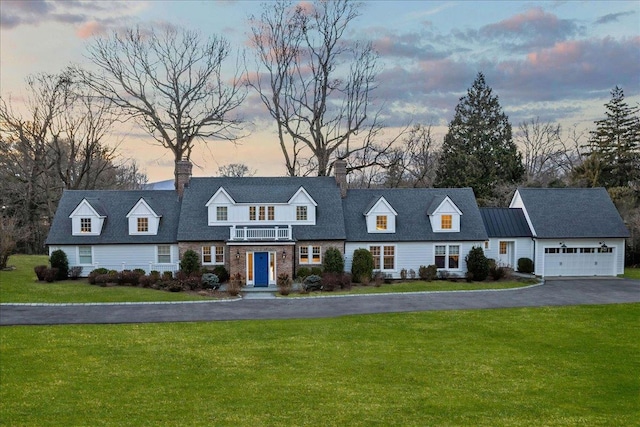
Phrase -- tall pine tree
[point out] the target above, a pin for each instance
(614, 156)
(478, 150)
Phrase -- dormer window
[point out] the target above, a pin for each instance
(301, 213)
(380, 216)
(85, 225)
(446, 222)
(381, 222)
(143, 225)
(444, 215)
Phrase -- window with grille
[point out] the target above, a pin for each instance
(301, 213)
(164, 254)
(85, 225)
(143, 225)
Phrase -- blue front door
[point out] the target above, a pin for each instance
(261, 268)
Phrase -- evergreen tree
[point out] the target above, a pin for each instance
(478, 150)
(614, 156)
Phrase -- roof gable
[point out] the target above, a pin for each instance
(85, 208)
(380, 205)
(142, 208)
(220, 196)
(301, 196)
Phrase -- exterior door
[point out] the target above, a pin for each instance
(261, 269)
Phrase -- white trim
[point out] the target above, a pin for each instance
(381, 259)
(303, 191)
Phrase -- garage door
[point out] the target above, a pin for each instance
(579, 262)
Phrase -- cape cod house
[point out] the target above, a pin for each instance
(261, 227)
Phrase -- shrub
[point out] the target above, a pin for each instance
(222, 273)
(331, 281)
(362, 265)
(103, 279)
(284, 284)
(50, 274)
(303, 272)
(403, 274)
(428, 273)
(378, 279)
(190, 262)
(59, 260)
(525, 265)
(312, 282)
(477, 264)
(192, 283)
(100, 271)
(75, 272)
(316, 271)
(128, 277)
(139, 271)
(443, 274)
(167, 275)
(144, 281)
(39, 270)
(154, 276)
(210, 281)
(236, 282)
(412, 274)
(333, 261)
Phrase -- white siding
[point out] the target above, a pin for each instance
(123, 257)
(523, 248)
(411, 255)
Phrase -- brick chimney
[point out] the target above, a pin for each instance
(340, 173)
(183, 175)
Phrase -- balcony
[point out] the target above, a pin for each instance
(262, 234)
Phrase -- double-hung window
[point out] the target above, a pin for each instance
(309, 255)
(221, 213)
(164, 254)
(447, 256)
(446, 222)
(384, 257)
(381, 222)
(85, 255)
(143, 225)
(213, 254)
(301, 213)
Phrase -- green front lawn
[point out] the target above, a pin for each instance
(560, 366)
(21, 285)
(631, 273)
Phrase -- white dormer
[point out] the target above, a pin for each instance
(303, 207)
(381, 217)
(85, 220)
(444, 216)
(143, 221)
(219, 207)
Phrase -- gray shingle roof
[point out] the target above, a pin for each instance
(572, 213)
(329, 218)
(412, 222)
(115, 205)
(505, 222)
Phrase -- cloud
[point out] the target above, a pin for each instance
(613, 17)
(535, 27)
(85, 14)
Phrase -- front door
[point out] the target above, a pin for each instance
(261, 269)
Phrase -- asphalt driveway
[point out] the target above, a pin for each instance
(555, 292)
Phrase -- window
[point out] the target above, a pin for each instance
(271, 213)
(381, 222)
(605, 250)
(261, 213)
(486, 245)
(164, 254)
(84, 255)
(587, 250)
(445, 222)
(85, 225)
(143, 225)
(213, 254)
(305, 251)
(452, 261)
(551, 250)
(252, 213)
(503, 248)
(221, 213)
(389, 257)
(384, 257)
(301, 213)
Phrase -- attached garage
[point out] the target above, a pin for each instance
(579, 261)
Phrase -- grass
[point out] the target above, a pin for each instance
(422, 286)
(561, 366)
(21, 285)
(632, 273)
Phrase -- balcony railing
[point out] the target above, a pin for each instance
(251, 233)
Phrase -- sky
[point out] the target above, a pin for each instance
(555, 60)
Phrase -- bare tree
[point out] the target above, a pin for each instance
(169, 80)
(414, 163)
(235, 170)
(316, 86)
(540, 145)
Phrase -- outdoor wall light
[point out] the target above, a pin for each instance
(562, 245)
(237, 254)
(284, 254)
(603, 245)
